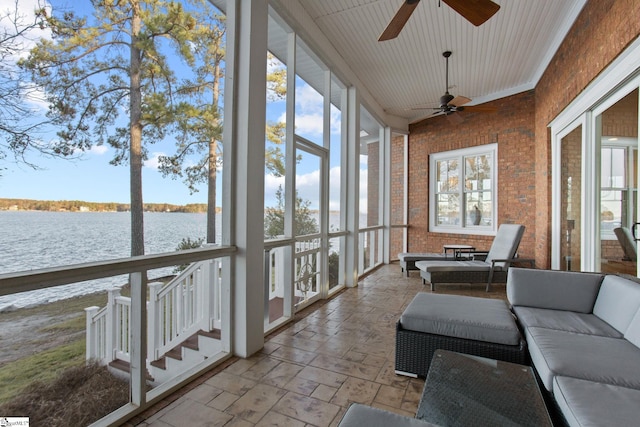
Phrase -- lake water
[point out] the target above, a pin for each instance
(34, 239)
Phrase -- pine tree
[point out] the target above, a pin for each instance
(96, 70)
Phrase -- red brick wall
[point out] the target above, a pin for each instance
(601, 32)
(603, 29)
(512, 128)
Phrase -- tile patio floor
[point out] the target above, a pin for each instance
(308, 373)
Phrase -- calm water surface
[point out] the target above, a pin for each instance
(32, 239)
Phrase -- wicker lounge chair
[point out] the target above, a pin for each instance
(492, 269)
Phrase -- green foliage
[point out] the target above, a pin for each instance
(334, 266)
(77, 205)
(274, 218)
(187, 243)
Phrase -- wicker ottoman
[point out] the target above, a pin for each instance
(479, 326)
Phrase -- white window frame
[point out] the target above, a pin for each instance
(630, 146)
(461, 228)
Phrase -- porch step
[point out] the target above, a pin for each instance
(190, 343)
(124, 366)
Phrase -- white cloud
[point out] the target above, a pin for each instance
(152, 162)
(99, 149)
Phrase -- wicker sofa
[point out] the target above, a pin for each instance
(583, 335)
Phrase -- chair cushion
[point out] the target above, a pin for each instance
(627, 242)
(588, 403)
(506, 242)
(432, 266)
(419, 256)
(617, 302)
(569, 321)
(480, 319)
(603, 359)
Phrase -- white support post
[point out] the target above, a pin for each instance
(353, 188)
(206, 289)
(112, 328)
(154, 326)
(244, 139)
(138, 338)
(91, 334)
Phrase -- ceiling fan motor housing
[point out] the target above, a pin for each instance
(445, 100)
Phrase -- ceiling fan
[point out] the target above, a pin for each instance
(475, 11)
(450, 104)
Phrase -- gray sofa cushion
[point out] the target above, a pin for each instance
(556, 290)
(480, 319)
(365, 416)
(563, 320)
(632, 334)
(590, 404)
(603, 359)
(617, 302)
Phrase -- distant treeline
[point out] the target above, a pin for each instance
(80, 206)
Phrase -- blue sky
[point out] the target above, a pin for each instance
(90, 177)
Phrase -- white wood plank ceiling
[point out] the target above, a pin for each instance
(504, 56)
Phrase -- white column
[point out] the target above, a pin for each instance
(353, 187)
(138, 337)
(385, 186)
(90, 330)
(244, 136)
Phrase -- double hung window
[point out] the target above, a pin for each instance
(463, 190)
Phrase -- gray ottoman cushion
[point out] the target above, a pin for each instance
(479, 319)
(365, 416)
(587, 403)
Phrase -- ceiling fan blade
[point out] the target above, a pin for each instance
(475, 11)
(399, 20)
(459, 101)
(481, 109)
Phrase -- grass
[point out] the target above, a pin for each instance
(42, 367)
(78, 396)
(56, 387)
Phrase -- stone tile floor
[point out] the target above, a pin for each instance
(336, 352)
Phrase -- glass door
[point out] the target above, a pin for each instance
(616, 133)
(310, 228)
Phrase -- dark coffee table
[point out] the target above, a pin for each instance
(464, 390)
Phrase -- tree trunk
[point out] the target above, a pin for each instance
(135, 145)
(211, 190)
(213, 164)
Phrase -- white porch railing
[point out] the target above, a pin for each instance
(307, 268)
(370, 248)
(175, 311)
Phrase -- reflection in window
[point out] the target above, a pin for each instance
(617, 194)
(463, 188)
